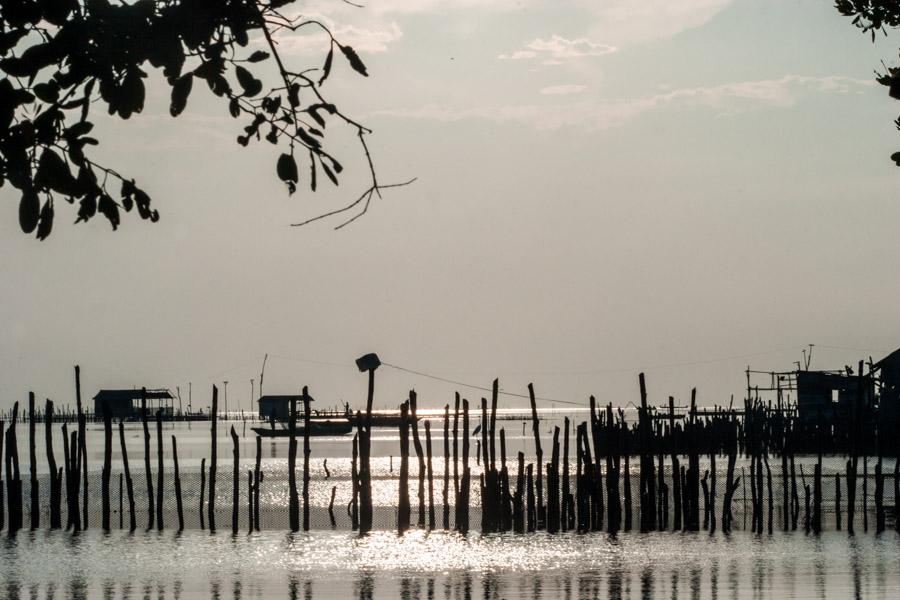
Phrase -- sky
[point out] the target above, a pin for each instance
(680, 187)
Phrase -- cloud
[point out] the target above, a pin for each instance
(562, 90)
(724, 99)
(555, 49)
(366, 40)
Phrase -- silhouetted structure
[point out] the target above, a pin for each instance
(126, 404)
(276, 406)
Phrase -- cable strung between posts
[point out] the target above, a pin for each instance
(477, 387)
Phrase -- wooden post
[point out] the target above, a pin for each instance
(539, 459)
(487, 495)
(75, 477)
(34, 511)
(676, 469)
(293, 499)
(151, 501)
(462, 520)
(365, 473)
(505, 495)
(235, 481)
(107, 468)
(445, 498)
(82, 449)
(160, 480)
(202, 491)
(420, 455)
(430, 476)
(55, 491)
(564, 509)
(129, 485)
(2, 502)
(67, 475)
(553, 508)
(354, 479)
(178, 505)
(403, 512)
(257, 479)
(456, 456)
(211, 503)
(518, 497)
(306, 451)
(837, 500)
(250, 511)
(531, 517)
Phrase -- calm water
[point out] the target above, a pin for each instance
(327, 563)
(341, 565)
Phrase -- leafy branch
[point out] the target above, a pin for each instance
(64, 57)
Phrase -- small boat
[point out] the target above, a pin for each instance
(316, 428)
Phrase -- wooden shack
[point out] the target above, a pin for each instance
(126, 404)
(278, 406)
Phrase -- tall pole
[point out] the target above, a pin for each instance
(252, 393)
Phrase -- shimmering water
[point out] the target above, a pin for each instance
(327, 563)
(439, 565)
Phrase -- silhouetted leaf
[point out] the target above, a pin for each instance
(896, 158)
(248, 82)
(329, 172)
(48, 92)
(258, 56)
(308, 139)
(108, 209)
(87, 208)
(326, 68)
(287, 168)
(234, 107)
(29, 210)
(9, 39)
(180, 92)
(312, 172)
(52, 172)
(354, 60)
(45, 225)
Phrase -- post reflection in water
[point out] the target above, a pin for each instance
(327, 565)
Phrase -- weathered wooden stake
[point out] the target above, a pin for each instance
(235, 481)
(151, 501)
(178, 505)
(306, 451)
(293, 498)
(257, 479)
(211, 503)
(539, 459)
(202, 491)
(82, 449)
(129, 485)
(445, 497)
(430, 475)
(55, 492)
(107, 468)
(34, 511)
(420, 455)
(403, 509)
(160, 480)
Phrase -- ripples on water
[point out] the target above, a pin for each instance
(440, 565)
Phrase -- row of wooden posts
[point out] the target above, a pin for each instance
(601, 446)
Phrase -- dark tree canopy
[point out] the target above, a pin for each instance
(63, 59)
(874, 16)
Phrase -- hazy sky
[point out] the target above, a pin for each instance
(681, 186)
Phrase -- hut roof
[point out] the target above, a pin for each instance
(286, 398)
(129, 396)
(892, 358)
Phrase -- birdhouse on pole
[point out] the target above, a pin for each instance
(368, 362)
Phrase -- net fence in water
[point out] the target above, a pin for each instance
(274, 500)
